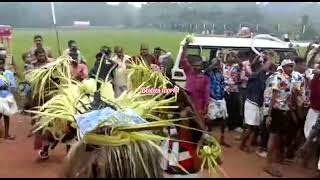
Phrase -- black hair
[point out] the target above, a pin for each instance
(74, 49)
(118, 48)
(256, 66)
(25, 55)
(73, 55)
(213, 53)
(99, 55)
(37, 37)
(39, 51)
(105, 49)
(157, 49)
(3, 59)
(299, 60)
(233, 54)
(71, 42)
(194, 58)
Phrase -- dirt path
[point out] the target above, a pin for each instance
(18, 159)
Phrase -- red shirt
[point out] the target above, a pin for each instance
(315, 93)
(155, 60)
(197, 84)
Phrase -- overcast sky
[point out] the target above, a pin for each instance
(138, 4)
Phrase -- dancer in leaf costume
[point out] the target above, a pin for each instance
(117, 136)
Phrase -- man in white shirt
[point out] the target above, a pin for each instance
(121, 75)
(162, 59)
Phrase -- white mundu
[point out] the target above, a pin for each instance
(252, 113)
(311, 120)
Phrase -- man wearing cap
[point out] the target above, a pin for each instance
(244, 32)
(299, 100)
(279, 114)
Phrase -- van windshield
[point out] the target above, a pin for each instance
(208, 53)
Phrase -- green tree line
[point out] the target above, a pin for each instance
(291, 15)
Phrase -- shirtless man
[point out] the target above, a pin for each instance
(38, 43)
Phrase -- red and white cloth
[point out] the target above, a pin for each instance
(177, 153)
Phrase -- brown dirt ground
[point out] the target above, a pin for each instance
(19, 159)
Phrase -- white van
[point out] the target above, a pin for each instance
(207, 46)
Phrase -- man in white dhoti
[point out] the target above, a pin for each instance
(121, 73)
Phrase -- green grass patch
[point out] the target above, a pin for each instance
(90, 40)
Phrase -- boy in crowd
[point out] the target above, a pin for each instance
(231, 72)
(254, 101)
(217, 110)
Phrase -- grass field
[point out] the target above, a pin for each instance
(90, 40)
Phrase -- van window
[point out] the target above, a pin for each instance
(208, 53)
(205, 53)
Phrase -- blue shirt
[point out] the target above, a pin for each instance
(6, 89)
(217, 84)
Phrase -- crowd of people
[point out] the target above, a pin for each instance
(113, 67)
(109, 65)
(273, 106)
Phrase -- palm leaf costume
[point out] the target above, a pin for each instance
(117, 137)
